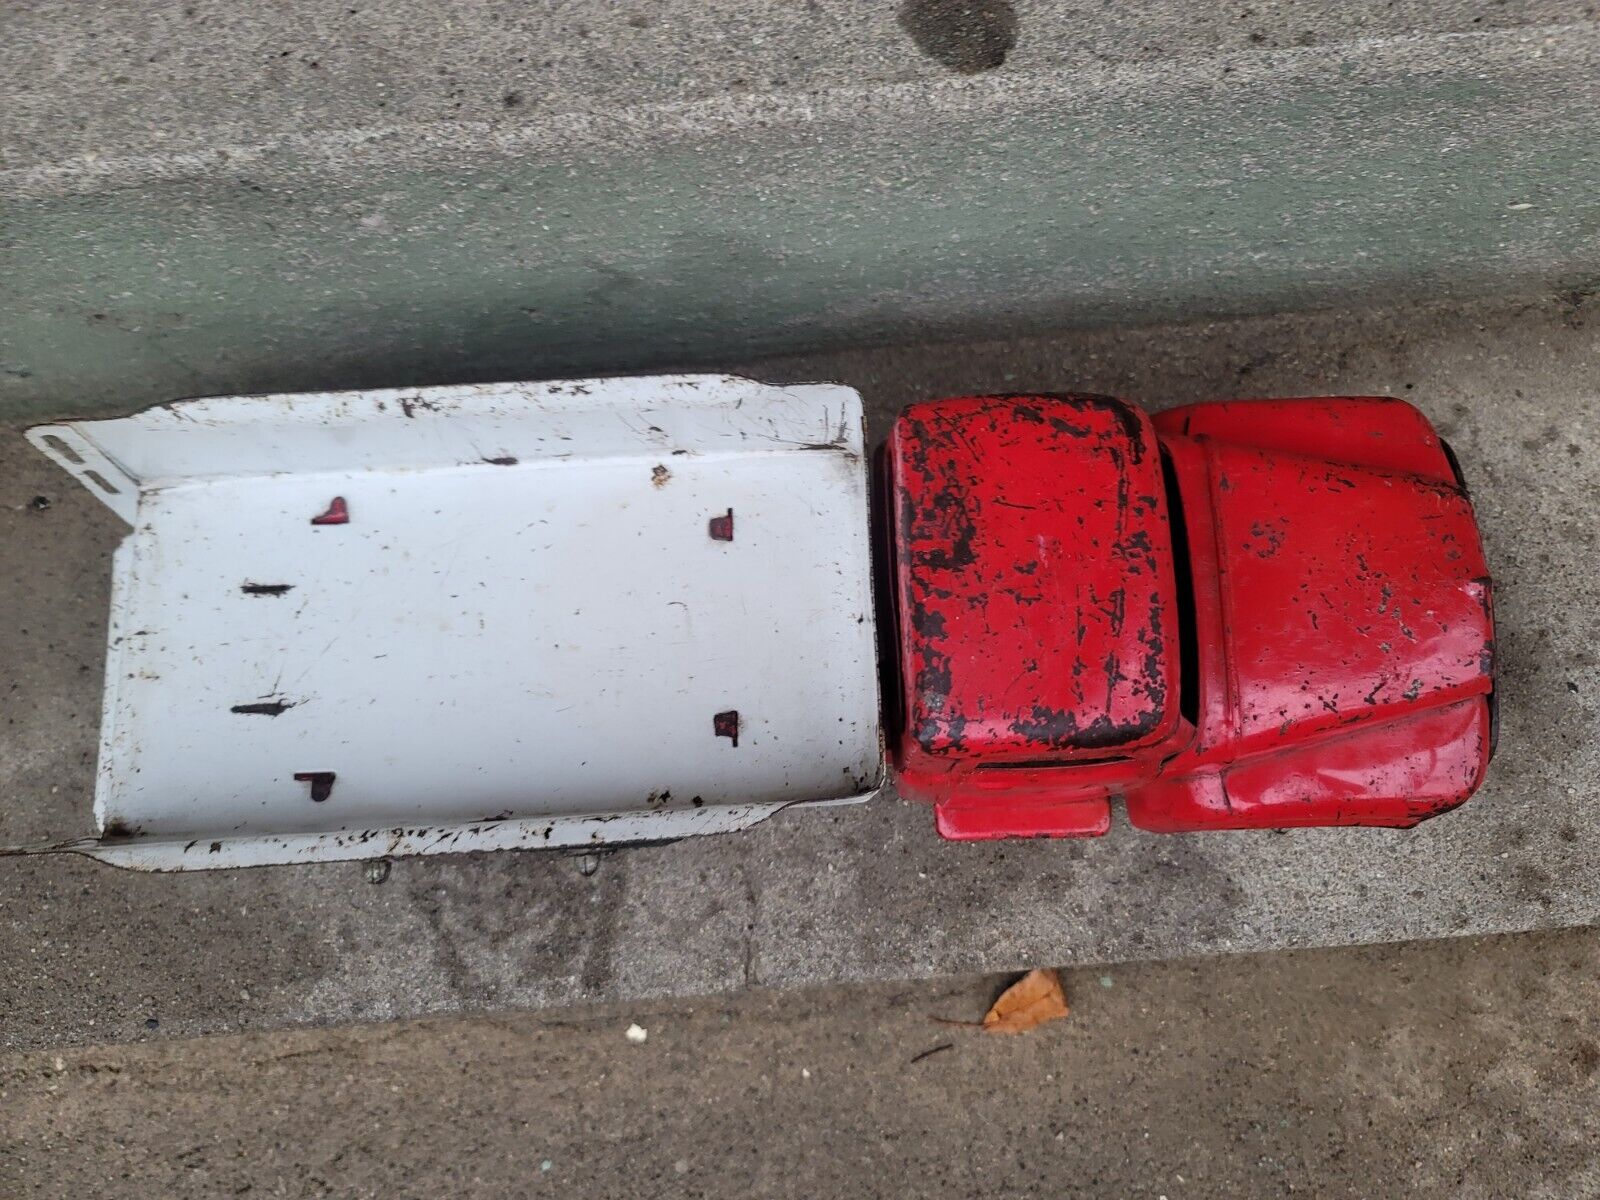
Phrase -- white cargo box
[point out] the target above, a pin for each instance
(359, 624)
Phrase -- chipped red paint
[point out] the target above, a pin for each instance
(338, 512)
(1037, 599)
(1315, 647)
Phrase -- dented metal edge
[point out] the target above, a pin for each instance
(612, 830)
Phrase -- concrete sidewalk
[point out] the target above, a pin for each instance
(88, 953)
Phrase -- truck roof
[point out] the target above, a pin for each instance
(1036, 604)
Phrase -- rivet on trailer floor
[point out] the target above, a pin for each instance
(349, 625)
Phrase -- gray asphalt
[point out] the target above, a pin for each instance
(1463, 1069)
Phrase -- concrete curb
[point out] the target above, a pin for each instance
(95, 954)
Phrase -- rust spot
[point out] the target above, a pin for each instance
(1268, 536)
(726, 724)
(721, 528)
(659, 475)
(266, 589)
(321, 783)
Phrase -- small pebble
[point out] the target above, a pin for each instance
(1105, 981)
(636, 1034)
(546, 1165)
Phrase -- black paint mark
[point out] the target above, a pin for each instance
(267, 708)
(968, 36)
(266, 589)
(321, 783)
(505, 460)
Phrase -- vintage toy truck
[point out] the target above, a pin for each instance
(584, 613)
(1231, 615)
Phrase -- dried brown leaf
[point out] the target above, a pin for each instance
(1028, 1003)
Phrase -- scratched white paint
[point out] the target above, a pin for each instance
(519, 639)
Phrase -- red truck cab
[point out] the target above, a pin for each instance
(1252, 614)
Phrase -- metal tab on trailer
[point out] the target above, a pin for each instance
(350, 625)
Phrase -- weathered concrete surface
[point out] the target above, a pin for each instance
(88, 953)
(1467, 1069)
(207, 198)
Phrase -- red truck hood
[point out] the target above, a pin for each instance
(1347, 591)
